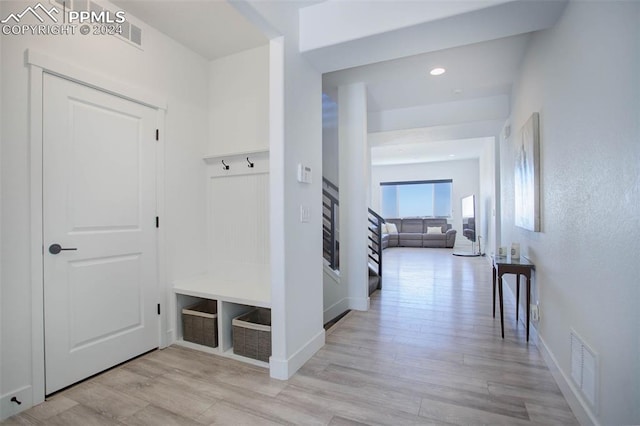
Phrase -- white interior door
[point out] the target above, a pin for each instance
(99, 202)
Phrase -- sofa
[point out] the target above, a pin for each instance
(418, 232)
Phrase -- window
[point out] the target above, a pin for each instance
(429, 198)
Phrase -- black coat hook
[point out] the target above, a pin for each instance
(224, 166)
(250, 163)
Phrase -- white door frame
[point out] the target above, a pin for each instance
(38, 64)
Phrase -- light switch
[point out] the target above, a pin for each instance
(304, 213)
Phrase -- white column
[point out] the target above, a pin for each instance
(354, 183)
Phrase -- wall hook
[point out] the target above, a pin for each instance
(224, 165)
(250, 163)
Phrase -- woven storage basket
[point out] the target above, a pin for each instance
(252, 334)
(200, 323)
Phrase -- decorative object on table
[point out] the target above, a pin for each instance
(502, 251)
(527, 175)
(515, 251)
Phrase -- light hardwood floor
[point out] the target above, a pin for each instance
(428, 352)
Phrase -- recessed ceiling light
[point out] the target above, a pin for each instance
(437, 71)
(452, 155)
(457, 91)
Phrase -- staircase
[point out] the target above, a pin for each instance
(330, 231)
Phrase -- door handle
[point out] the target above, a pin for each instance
(57, 248)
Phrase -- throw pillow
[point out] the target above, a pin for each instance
(383, 228)
(434, 230)
(391, 228)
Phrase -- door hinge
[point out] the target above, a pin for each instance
(157, 134)
(158, 309)
(157, 222)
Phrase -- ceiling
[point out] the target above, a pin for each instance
(416, 117)
(472, 71)
(210, 28)
(412, 146)
(479, 74)
(476, 74)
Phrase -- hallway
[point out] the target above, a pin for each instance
(428, 352)
(430, 345)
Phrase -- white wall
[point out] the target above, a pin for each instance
(487, 202)
(3, 318)
(239, 94)
(335, 295)
(582, 77)
(465, 175)
(330, 147)
(239, 123)
(297, 266)
(164, 68)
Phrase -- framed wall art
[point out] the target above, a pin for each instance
(527, 175)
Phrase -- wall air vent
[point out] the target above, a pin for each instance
(130, 32)
(584, 369)
(80, 5)
(136, 35)
(93, 7)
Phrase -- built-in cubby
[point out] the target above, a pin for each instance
(191, 292)
(238, 259)
(236, 172)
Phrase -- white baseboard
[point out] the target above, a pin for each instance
(578, 405)
(170, 338)
(359, 303)
(283, 369)
(8, 408)
(336, 309)
(580, 409)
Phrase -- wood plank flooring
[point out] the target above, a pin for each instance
(428, 352)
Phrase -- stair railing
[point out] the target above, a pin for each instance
(375, 242)
(330, 243)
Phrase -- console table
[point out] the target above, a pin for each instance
(506, 265)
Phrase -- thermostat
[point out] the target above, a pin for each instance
(304, 173)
